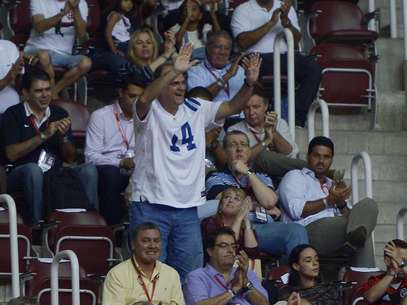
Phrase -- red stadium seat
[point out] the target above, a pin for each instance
(347, 75)
(85, 233)
(40, 283)
(339, 21)
(307, 4)
(24, 238)
(354, 275)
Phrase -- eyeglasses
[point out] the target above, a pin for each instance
(226, 245)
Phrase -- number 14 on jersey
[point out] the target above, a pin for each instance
(187, 138)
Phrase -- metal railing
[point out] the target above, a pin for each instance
(12, 214)
(289, 39)
(67, 254)
(400, 223)
(364, 156)
(318, 103)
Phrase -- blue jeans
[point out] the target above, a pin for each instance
(181, 241)
(280, 238)
(29, 178)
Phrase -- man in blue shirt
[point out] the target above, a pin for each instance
(219, 282)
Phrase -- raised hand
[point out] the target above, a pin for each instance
(169, 44)
(235, 66)
(63, 125)
(294, 299)
(252, 65)
(337, 196)
(285, 7)
(183, 61)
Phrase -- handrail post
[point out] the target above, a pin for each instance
(15, 271)
(405, 27)
(393, 19)
(372, 22)
(318, 103)
(289, 38)
(66, 254)
(364, 156)
(400, 223)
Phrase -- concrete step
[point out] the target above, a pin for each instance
(352, 142)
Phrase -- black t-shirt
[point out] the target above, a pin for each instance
(16, 127)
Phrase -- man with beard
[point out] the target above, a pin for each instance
(219, 283)
(310, 198)
(391, 287)
(143, 279)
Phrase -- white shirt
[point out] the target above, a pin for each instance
(121, 30)
(193, 36)
(170, 159)
(250, 16)
(8, 97)
(105, 140)
(255, 136)
(205, 75)
(298, 187)
(49, 40)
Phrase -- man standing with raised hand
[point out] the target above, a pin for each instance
(169, 177)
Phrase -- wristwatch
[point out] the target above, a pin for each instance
(43, 137)
(249, 172)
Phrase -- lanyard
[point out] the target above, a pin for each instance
(225, 86)
(120, 128)
(143, 285)
(217, 280)
(324, 187)
(34, 125)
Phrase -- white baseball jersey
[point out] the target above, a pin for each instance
(170, 166)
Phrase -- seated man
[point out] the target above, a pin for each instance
(273, 237)
(55, 26)
(391, 287)
(273, 150)
(222, 78)
(310, 198)
(219, 282)
(110, 146)
(33, 133)
(256, 24)
(143, 279)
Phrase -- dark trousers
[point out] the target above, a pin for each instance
(307, 76)
(111, 184)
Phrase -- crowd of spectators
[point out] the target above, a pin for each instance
(190, 105)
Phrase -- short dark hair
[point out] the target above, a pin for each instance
(259, 91)
(159, 70)
(400, 243)
(200, 92)
(215, 35)
(33, 73)
(144, 226)
(233, 133)
(210, 240)
(320, 140)
(135, 79)
(22, 301)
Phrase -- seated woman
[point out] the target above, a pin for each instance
(304, 279)
(143, 52)
(234, 207)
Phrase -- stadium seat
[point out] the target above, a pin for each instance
(347, 75)
(79, 115)
(359, 276)
(39, 284)
(24, 238)
(85, 233)
(307, 4)
(340, 21)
